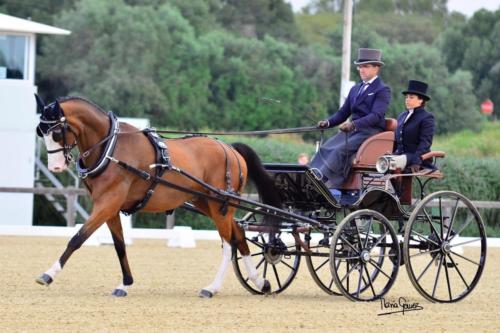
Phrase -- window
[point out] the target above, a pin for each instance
(13, 50)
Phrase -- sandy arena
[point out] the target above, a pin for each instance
(164, 296)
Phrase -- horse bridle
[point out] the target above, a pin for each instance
(58, 127)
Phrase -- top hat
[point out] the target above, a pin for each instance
(417, 88)
(369, 56)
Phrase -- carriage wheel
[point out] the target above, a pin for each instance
(439, 265)
(318, 263)
(277, 261)
(357, 263)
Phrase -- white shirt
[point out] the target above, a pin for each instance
(410, 112)
(365, 86)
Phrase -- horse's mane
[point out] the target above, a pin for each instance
(81, 99)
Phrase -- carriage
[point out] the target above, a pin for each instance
(357, 246)
(352, 246)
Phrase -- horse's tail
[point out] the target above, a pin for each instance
(256, 172)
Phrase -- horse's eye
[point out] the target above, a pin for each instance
(57, 135)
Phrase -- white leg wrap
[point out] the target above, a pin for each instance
(122, 287)
(252, 272)
(219, 277)
(54, 270)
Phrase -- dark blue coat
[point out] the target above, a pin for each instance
(334, 157)
(414, 137)
(368, 109)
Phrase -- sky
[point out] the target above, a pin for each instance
(466, 7)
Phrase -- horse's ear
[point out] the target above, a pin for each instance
(57, 107)
(39, 103)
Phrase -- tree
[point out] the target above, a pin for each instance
(135, 60)
(256, 18)
(473, 46)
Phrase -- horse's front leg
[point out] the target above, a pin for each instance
(115, 227)
(100, 213)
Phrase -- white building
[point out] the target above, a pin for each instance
(18, 114)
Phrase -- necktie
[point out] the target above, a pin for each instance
(410, 112)
(362, 90)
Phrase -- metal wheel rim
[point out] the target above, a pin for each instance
(357, 264)
(244, 280)
(443, 257)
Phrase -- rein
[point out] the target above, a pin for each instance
(263, 132)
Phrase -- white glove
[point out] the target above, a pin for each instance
(398, 162)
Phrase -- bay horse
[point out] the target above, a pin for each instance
(77, 122)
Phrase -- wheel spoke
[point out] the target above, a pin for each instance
(426, 268)
(359, 236)
(425, 252)
(458, 271)
(323, 264)
(465, 258)
(379, 268)
(265, 269)
(368, 232)
(432, 225)
(349, 273)
(447, 278)
(453, 215)
(466, 242)
(369, 280)
(347, 258)
(287, 265)
(441, 218)
(256, 243)
(331, 283)
(359, 281)
(276, 275)
(260, 263)
(350, 245)
(257, 254)
(383, 255)
(463, 227)
(379, 240)
(424, 238)
(437, 275)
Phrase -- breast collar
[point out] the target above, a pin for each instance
(103, 160)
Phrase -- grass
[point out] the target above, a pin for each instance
(485, 143)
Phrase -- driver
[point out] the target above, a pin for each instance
(366, 104)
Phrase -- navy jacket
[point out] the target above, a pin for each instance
(414, 137)
(367, 110)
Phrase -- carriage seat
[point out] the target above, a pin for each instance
(375, 146)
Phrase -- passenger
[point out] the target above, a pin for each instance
(303, 159)
(367, 104)
(415, 128)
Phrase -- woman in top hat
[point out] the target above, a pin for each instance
(415, 127)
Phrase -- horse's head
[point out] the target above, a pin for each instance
(54, 128)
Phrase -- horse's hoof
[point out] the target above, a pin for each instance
(44, 279)
(266, 288)
(119, 293)
(205, 293)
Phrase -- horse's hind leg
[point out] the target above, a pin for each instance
(115, 227)
(242, 245)
(223, 224)
(228, 230)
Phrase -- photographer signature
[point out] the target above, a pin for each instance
(401, 306)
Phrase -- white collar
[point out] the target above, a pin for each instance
(371, 81)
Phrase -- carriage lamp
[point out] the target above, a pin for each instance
(390, 162)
